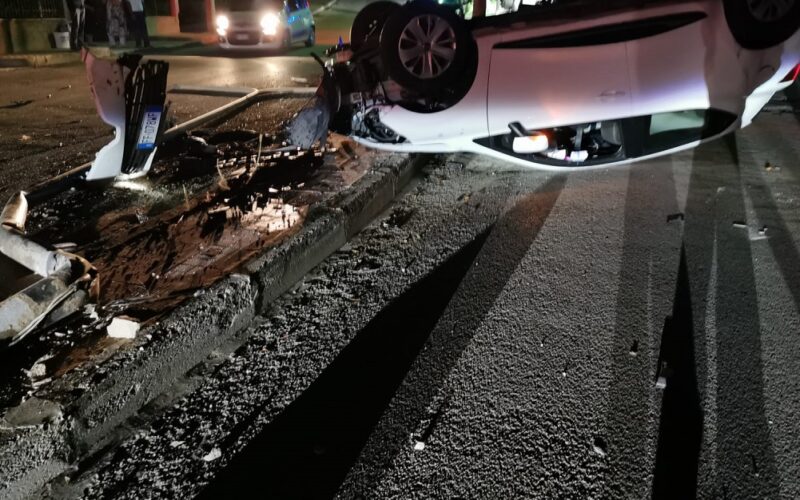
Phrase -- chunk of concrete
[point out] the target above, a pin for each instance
(123, 328)
(212, 455)
(31, 413)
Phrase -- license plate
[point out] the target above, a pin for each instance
(241, 36)
(149, 131)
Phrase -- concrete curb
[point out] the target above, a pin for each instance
(111, 393)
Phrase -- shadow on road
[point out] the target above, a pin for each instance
(680, 434)
(309, 449)
(642, 300)
(780, 240)
(793, 94)
(727, 341)
(507, 245)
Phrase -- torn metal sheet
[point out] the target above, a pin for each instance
(23, 309)
(58, 293)
(15, 213)
(310, 125)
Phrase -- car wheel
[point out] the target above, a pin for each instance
(369, 22)
(758, 24)
(312, 37)
(426, 48)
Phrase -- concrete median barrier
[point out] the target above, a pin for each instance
(76, 415)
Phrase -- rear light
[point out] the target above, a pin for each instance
(793, 74)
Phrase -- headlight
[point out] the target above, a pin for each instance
(269, 23)
(223, 23)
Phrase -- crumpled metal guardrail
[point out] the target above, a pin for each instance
(64, 285)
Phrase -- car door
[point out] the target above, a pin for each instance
(295, 20)
(686, 61)
(552, 80)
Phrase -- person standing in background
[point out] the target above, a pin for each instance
(139, 23)
(77, 30)
(115, 22)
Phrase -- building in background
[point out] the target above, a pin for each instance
(28, 25)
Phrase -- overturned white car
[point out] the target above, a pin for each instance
(569, 88)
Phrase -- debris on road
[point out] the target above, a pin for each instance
(663, 373)
(15, 213)
(38, 370)
(599, 446)
(675, 216)
(212, 455)
(17, 104)
(90, 310)
(123, 327)
(198, 146)
(59, 286)
(310, 125)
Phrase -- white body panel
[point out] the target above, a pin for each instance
(696, 66)
(107, 82)
(595, 84)
(682, 68)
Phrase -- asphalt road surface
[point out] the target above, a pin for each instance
(505, 333)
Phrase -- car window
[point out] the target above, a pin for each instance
(293, 5)
(582, 144)
(615, 33)
(610, 141)
(247, 5)
(651, 134)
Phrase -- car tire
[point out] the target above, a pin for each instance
(312, 37)
(406, 39)
(369, 22)
(759, 24)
